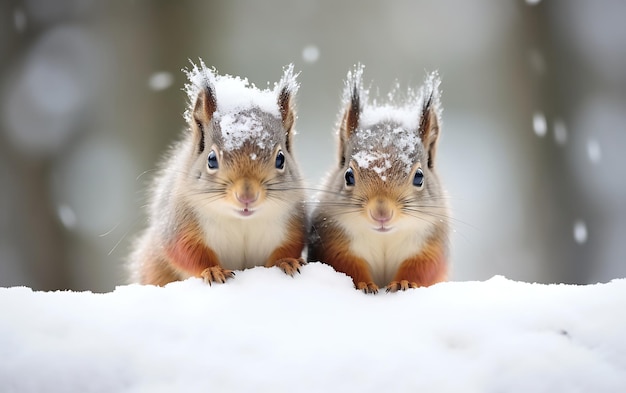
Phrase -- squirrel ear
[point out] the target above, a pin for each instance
(287, 88)
(352, 101)
(203, 111)
(430, 121)
(202, 103)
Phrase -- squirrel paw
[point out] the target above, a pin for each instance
(216, 274)
(367, 287)
(290, 266)
(401, 285)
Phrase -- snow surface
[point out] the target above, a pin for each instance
(264, 331)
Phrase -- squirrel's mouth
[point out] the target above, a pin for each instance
(383, 229)
(245, 212)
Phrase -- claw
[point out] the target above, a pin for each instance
(288, 265)
(401, 285)
(216, 274)
(367, 287)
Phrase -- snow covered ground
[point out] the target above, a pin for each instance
(266, 332)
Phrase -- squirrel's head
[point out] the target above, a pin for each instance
(387, 155)
(242, 140)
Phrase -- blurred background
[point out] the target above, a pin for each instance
(534, 96)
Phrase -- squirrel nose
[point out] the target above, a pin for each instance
(247, 198)
(246, 192)
(381, 213)
(381, 218)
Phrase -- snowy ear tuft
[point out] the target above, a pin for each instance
(286, 90)
(352, 93)
(430, 116)
(202, 101)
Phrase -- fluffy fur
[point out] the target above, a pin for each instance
(218, 203)
(375, 221)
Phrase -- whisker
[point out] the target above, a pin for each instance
(438, 216)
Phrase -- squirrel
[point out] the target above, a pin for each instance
(228, 196)
(381, 216)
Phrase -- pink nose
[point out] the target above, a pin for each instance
(382, 216)
(246, 199)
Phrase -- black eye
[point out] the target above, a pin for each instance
(212, 160)
(418, 180)
(349, 176)
(280, 160)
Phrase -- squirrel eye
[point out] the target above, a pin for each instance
(349, 176)
(418, 180)
(212, 160)
(280, 160)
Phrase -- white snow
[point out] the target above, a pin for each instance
(388, 131)
(160, 80)
(540, 126)
(594, 152)
(407, 115)
(237, 128)
(402, 108)
(67, 216)
(233, 93)
(310, 54)
(236, 101)
(372, 146)
(264, 331)
(366, 159)
(580, 231)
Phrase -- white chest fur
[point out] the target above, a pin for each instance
(385, 252)
(244, 242)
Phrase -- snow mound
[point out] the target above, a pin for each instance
(265, 331)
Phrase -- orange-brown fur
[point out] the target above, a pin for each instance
(425, 269)
(334, 249)
(158, 271)
(288, 255)
(189, 253)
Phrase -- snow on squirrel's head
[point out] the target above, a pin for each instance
(237, 113)
(393, 138)
(241, 137)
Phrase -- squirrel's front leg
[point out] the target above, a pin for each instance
(342, 260)
(288, 256)
(191, 255)
(289, 265)
(424, 269)
(336, 253)
(358, 269)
